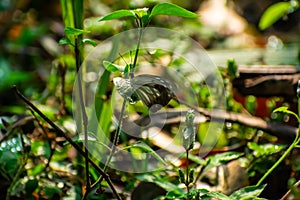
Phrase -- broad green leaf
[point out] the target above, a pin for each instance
(218, 196)
(285, 109)
(118, 14)
(172, 10)
(274, 13)
(65, 41)
(89, 41)
(250, 191)
(74, 31)
(113, 67)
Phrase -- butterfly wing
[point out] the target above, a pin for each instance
(154, 91)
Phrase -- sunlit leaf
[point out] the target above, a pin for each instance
(250, 191)
(196, 159)
(172, 10)
(265, 149)
(273, 14)
(89, 41)
(113, 67)
(218, 196)
(118, 14)
(149, 150)
(141, 12)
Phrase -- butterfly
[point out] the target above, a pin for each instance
(154, 91)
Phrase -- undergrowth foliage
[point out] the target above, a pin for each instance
(43, 155)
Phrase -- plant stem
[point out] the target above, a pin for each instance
(78, 56)
(136, 52)
(114, 143)
(116, 136)
(187, 175)
(296, 141)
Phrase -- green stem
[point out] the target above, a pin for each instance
(78, 58)
(136, 52)
(291, 147)
(116, 136)
(187, 175)
(296, 141)
(114, 144)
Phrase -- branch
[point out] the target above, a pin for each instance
(63, 134)
(284, 132)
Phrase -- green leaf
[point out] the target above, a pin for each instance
(147, 149)
(74, 31)
(172, 10)
(274, 13)
(118, 14)
(30, 186)
(196, 159)
(8, 162)
(65, 41)
(218, 196)
(181, 176)
(175, 194)
(249, 191)
(160, 181)
(285, 109)
(89, 41)
(113, 67)
(265, 149)
(222, 158)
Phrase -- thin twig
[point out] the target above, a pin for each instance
(21, 122)
(282, 131)
(287, 194)
(63, 134)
